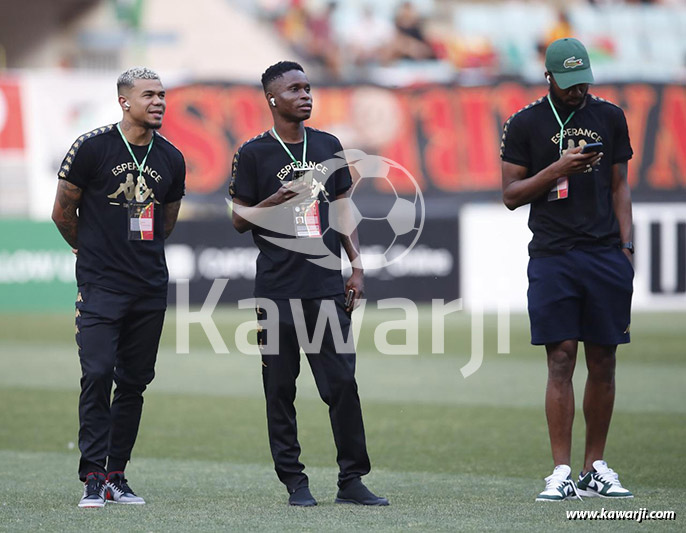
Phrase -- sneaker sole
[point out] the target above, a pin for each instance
(593, 494)
(354, 502)
(91, 505)
(126, 503)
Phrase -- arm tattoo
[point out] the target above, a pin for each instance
(64, 212)
(171, 213)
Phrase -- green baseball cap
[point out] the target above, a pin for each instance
(567, 60)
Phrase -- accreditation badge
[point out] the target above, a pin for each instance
(141, 221)
(306, 216)
(560, 191)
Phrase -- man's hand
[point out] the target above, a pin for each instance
(290, 192)
(519, 188)
(574, 162)
(356, 283)
(629, 255)
(246, 216)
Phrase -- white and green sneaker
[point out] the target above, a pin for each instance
(559, 486)
(602, 482)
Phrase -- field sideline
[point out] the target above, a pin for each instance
(452, 454)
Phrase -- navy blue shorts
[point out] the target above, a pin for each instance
(581, 294)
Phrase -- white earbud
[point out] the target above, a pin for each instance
(127, 105)
(548, 78)
(273, 102)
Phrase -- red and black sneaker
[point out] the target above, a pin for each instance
(93, 490)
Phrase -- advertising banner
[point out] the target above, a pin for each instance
(494, 257)
(482, 259)
(11, 116)
(36, 268)
(446, 137)
(202, 251)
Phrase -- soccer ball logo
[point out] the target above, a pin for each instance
(399, 220)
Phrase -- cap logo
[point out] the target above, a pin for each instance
(573, 62)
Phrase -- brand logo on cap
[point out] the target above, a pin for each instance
(573, 62)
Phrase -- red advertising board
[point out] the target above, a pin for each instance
(447, 137)
(11, 126)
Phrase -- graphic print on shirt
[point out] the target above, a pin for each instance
(132, 190)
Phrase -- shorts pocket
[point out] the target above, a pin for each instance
(627, 260)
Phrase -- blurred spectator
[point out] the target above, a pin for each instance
(409, 40)
(322, 46)
(368, 38)
(472, 53)
(311, 35)
(293, 26)
(561, 29)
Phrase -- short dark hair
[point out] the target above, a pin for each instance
(277, 70)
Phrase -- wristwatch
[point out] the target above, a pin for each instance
(628, 246)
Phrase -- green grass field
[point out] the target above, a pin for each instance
(452, 454)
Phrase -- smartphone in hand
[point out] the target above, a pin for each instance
(349, 298)
(592, 147)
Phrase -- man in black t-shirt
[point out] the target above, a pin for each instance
(580, 268)
(118, 197)
(283, 182)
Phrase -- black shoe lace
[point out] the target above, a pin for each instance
(93, 486)
(122, 485)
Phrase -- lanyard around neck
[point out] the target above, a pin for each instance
(559, 121)
(140, 166)
(304, 161)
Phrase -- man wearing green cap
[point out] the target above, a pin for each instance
(566, 155)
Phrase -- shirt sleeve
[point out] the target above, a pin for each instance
(622, 144)
(178, 187)
(78, 166)
(514, 147)
(243, 183)
(343, 178)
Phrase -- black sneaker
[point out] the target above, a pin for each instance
(93, 490)
(302, 497)
(356, 493)
(118, 490)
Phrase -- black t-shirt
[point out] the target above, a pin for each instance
(100, 164)
(260, 167)
(586, 217)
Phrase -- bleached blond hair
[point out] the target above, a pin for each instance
(127, 78)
